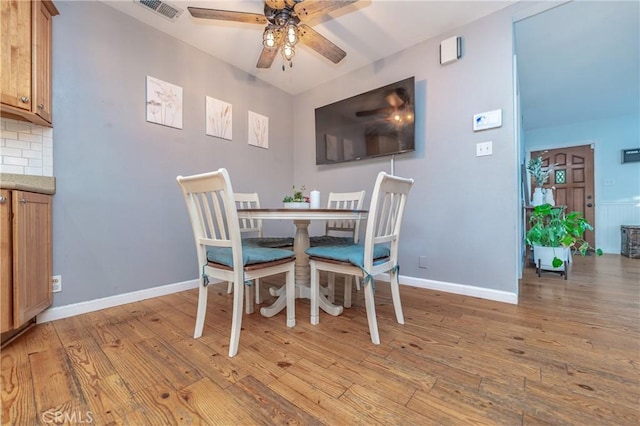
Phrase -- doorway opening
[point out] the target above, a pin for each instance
(572, 181)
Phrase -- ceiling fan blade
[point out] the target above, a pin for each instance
(227, 15)
(308, 9)
(320, 44)
(275, 4)
(268, 55)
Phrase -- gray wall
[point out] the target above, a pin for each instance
(119, 221)
(463, 211)
(120, 224)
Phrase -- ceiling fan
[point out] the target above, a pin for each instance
(285, 26)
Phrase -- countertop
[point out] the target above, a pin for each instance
(30, 183)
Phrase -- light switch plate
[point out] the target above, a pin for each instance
(484, 148)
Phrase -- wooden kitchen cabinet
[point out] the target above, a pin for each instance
(25, 242)
(25, 60)
(6, 275)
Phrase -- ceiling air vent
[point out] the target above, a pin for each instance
(162, 8)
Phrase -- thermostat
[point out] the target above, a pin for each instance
(487, 120)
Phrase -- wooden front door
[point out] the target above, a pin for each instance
(573, 179)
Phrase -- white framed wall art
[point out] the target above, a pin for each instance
(258, 130)
(164, 103)
(219, 116)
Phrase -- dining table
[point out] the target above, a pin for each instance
(301, 219)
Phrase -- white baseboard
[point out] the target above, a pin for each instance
(466, 290)
(74, 309)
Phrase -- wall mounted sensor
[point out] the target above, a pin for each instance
(450, 50)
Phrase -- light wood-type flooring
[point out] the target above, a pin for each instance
(568, 353)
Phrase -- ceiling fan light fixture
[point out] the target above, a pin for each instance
(286, 25)
(292, 33)
(269, 38)
(288, 51)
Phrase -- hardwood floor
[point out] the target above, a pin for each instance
(568, 353)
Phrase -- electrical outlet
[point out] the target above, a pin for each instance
(56, 283)
(422, 262)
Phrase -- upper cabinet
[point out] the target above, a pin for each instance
(25, 60)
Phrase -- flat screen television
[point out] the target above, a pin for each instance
(372, 124)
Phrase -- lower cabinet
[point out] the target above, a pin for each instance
(25, 265)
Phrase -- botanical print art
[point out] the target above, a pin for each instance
(219, 113)
(164, 103)
(258, 130)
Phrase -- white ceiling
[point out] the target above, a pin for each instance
(367, 30)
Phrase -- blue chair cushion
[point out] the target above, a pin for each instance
(353, 253)
(250, 255)
(269, 242)
(329, 240)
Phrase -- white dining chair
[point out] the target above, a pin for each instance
(377, 254)
(251, 229)
(341, 232)
(221, 254)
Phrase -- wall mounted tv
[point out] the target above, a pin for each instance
(372, 124)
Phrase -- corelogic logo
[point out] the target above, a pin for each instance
(54, 416)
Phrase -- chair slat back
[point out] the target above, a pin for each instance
(345, 201)
(212, 211)
(210, 214)
(385, 214)
(249, 201)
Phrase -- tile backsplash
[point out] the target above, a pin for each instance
(25, 148)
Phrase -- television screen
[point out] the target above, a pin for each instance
(375, 123)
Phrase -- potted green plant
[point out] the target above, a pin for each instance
(540, 175)
(554, 233)
(297, 200)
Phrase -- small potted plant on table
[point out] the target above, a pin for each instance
(553, 234)
(297, 200)
(540, 175)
